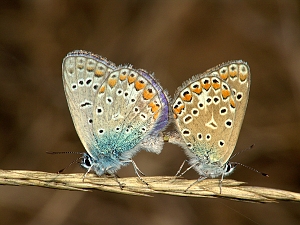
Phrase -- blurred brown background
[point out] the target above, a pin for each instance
(174, 39)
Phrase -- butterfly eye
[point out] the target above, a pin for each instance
(87, 162)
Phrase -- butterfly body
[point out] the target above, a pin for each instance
(116, 110)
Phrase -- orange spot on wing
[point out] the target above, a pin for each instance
(225, 94)
(178, 109)
(139, 85)
(131, 79)
(197, 90)
(112, 82)
(186, 97)
(243, 77)
(232, 103)
(155, 116)
(206, 86)
(123, 77)
(154, 107)
(233, 73)
(102, 89)
(216, 85)
(148, 94)
(224, 76)
(99, 73)
(90, 68)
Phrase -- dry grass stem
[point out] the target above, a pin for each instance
(208, 188)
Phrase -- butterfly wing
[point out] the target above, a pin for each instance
(83, 74)
(237, 75)
(129, 106)
(204, 111)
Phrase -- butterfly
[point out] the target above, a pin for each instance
(208, 114)
(116, 110)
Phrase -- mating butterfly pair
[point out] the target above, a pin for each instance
(119, 110)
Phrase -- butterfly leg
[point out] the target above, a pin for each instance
(190, 167)
(89, 169)
(180, 168)
(198, 180)
(178, 174)
(220, 183)
(136, 167)
(116, 178)
(137, 170)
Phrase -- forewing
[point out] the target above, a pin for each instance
(237, 75)
(204, 112)
(129, 106)
(83, 74)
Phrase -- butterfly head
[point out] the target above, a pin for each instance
(87, 161)
(102, 165)
(229, 168)
(209, 169)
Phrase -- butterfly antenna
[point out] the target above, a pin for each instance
(250, 168)
(242, 151)
(81, 153)
(75, 161)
